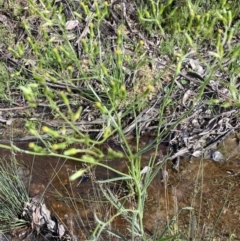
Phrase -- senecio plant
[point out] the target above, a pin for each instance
(86, 65)
(98, 64)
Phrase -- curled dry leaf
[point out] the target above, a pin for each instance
(145, 170)
(9, 121)
(197, 154)
(186, 96)
(30, 62)
(71, 24)
(195, 123)
(196, 66)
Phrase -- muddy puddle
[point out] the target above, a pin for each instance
(204, 194)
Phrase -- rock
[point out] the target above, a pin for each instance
(217, 156)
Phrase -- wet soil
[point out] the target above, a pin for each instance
(210, 189)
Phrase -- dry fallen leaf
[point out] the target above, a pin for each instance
(71, 24)
(186, 96)
(9, 121)
(145, 170)
(197, 153)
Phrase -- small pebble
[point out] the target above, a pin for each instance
(217, 156)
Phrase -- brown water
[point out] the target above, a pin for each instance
(211, 189)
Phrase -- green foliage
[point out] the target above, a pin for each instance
(87, 65)
(199, 19)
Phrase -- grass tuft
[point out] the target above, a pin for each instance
(13, 195)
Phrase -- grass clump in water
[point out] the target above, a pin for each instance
(13, 195)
